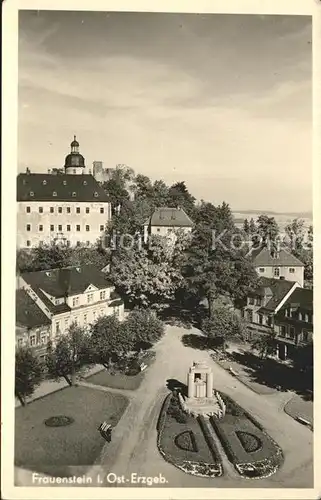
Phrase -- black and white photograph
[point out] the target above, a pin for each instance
(164, 285)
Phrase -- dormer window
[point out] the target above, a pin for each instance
(32, 193)
(95, 194)
(291, 270)
(54, 193)
(44, 182)
(85, 183)
(74, 194)
(64, 183)
(48, 274)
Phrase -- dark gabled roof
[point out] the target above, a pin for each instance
(302, 298)
(67, 188)
(166, 216)
(67, 281)
(28, 314)
(263, 257)
(278, 288)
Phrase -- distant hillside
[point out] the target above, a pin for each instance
(256, 213)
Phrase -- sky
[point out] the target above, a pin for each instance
(223, 102)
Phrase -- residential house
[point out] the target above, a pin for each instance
(69, 208)
(166, 221)
(278, 264)
(293, 322)
(70, 295)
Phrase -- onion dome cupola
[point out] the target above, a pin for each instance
(74, 162)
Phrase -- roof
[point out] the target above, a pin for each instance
(277, 289)
(263, 257)
(301, 297)
(28, 314)
(41, 187)
(167, 216)
(64, 282)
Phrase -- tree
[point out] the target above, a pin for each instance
(179, 196)
(252, 227)
(109, 341)
(143, 327)
(148, 277)
(68, 354)
(117, 186)
(264, 343)
(268, 229)
(295, 232)
(246, 227)
(28, 373)
(224, 324)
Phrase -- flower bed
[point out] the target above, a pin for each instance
(252, 451)
(196, 457)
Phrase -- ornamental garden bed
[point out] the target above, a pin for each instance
(252, 451)
(128, 379)
(62, 450)
(182, 442)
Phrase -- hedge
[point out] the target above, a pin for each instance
(209, 439)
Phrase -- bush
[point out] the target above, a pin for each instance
(209, 439)
(249, 442)
(162, 414)
(186, 441)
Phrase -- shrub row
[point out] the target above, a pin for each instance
(239, 411)
(225, 443)
(162, 414)
(209, 439)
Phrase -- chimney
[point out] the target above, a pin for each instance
(49, 171)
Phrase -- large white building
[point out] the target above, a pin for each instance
(50, 301)
(69, 207)
(278, 265)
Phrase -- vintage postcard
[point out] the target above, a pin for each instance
(160, 225)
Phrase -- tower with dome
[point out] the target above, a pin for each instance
(74, 161)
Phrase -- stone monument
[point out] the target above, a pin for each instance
(201, 398)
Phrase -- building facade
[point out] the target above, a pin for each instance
(278, 265)
(70, 208)
(165, 221)
(62, 297)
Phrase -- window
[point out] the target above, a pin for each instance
(60, 227)
(75, 301)
(57, 326)
(306, 318)
(85, 183)
(52, 210)
(101, 312)
(158, 229)
(269, 321)
(20, 342)
(44, 182)
(32, 340)
(262, 269)
(28, 210)
(300, 316)
(292, 332)
(74, 194)
(66, 322)
(74, 171)
(103, 295)
(95, 194)
(90, 297)
(28, 227)
(68, 210)
(251, 301)
(286, 313)
(258, 301)
(44, 339)
(102, 210)
(59, 210)
(283, 330)
(41, 210)
(87, 228)
(52, 227)
(276, 272)
(305, 335)
(249, 316)
(32, 193)
(87, 210)
(261, 319)
(78, 210)
(54, 193)
(85, 319)
(68, 227)
(101, 227)
(77, 227)
(57, 301)
(40, 243)
(78, 244)
(28, 243)
(65, 183)
(40, 227)
(291, 270)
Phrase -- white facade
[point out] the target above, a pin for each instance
(289, 273)
(73, 222)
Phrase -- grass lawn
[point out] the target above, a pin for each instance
(298, 407)
(172, 429)
(45, 449)
(117, 381)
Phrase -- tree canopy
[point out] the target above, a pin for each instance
(28, 372)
